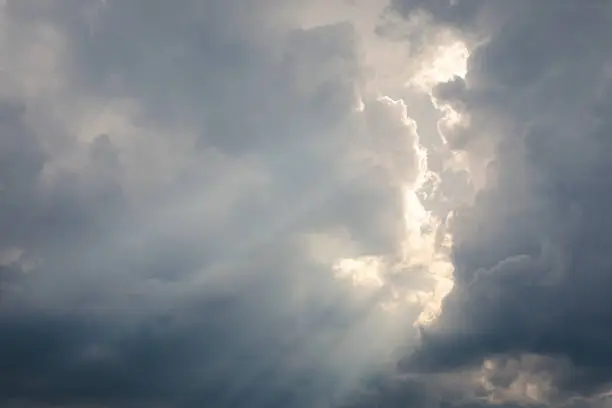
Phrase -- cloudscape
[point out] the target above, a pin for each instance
(305, 203)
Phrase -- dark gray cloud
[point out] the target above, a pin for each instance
(531, 258)
(226, 348)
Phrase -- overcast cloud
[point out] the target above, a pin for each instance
(305, 203)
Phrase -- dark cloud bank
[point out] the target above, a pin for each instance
(532, 254)
(202, 294)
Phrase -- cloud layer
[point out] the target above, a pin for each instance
(257, 204)
(193, 196)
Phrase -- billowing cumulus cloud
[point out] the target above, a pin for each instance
(211, 203)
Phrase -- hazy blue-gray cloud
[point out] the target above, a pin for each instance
(166, 171)
(179, 179)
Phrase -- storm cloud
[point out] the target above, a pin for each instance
(532, 265)
(305, 203)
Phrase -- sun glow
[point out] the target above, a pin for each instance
(365, 271)
(449, 61)
(426, 243)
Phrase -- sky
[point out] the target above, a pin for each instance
(305, 203)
